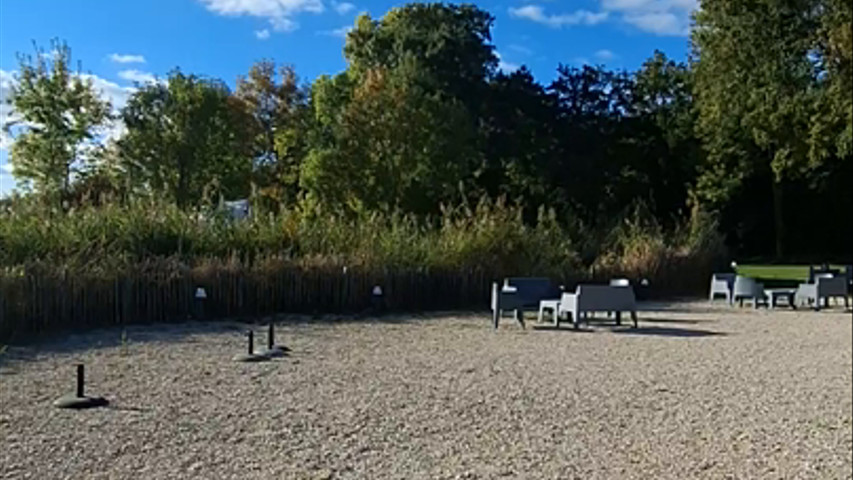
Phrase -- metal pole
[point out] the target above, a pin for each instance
(80, 380)
(251, 342)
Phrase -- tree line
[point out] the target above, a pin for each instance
(754, 130)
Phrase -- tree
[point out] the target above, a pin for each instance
(58, 113)
(591, 103)
(449, 43)
(661, 133)
(393, 146)
(185, 139)
(278, 108)
(755, 78)
(832, 121)
(519, 141)
(398, 129)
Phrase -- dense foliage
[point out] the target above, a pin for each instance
(422, 152)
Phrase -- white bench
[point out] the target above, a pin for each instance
(598, 298)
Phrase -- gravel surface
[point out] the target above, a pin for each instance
(697, 391)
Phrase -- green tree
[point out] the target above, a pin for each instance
(591, 103)
(832, 121)
(398, 129)
(394, 146)
(755, 78)
(185, 139)
(449, 43)
(58, 114)
(660, 133)
(519, 142)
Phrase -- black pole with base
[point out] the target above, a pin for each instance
(79, 400)
(251, 356)
(274, 350)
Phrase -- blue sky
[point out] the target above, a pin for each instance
(121, 43)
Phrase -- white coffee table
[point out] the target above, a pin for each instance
(552, 305)
(774, 294)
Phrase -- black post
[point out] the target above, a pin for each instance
(251, 342)
(271, 336)
(80, 380)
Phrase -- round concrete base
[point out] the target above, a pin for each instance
(250, 357)
(276, 351)
(77, 403)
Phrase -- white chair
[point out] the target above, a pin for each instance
(722, 284)
(746, 288)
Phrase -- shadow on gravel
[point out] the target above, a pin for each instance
(687, 321)
(566, 327)
(71, 342)
(116, 337)
(667, 331)
(683, 307)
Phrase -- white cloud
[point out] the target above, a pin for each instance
(537, 14)
(660, 17)
(7, 114)
(262, 34)
(504, 66)
(278, 12)
(664, 23)
(7, 181)
(136, 76)
(605, 55)
(520, 49)
(343, 8)
(117, 58)
(338, 32)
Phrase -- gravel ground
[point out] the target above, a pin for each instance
(697, 391)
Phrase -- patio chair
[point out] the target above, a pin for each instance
(746, 288)
(722, 284)
(824, 288)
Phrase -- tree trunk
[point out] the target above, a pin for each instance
(778, 219)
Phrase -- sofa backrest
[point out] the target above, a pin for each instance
(745, 287)
(831, 286)
(532, 290)
(604, 298)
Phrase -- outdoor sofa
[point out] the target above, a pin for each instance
(518, 294)
(597, 298)
(821, 290)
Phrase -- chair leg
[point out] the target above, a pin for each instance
(634, 318)
(496, 316)
(618, 318)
